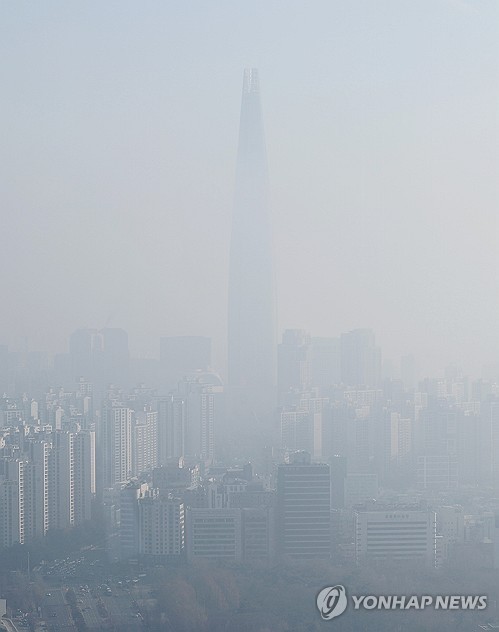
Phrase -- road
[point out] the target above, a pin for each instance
(56, 612)
(8, 625)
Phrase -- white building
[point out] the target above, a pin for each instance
(115, 441)
(145, 442)
(36, 490)
(395, 534)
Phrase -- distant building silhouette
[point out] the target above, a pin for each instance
(360, 359)
(293, 362)
(100, 355)
(180, 355)
(251, 325)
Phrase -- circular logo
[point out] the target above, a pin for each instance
(332, 601)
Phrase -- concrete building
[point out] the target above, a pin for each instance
(144, 442)
(395, 534)
(437, 471)
(36, 490)
(214, 533)
(161, 525)
(129, 519)
(172, 419)
(297, 430)
(204, 399)
(61, 471)
(11, 517)
(303, 508)
(115, 440)
(84, 474)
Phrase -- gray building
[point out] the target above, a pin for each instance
(303, 508)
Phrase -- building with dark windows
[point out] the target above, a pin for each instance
(303, 508)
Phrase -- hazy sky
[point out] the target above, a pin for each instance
(119, 134)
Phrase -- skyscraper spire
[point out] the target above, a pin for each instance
(251, 341)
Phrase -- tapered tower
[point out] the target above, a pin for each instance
(251, 324)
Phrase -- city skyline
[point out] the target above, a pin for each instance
(249, 353)
(382, 144)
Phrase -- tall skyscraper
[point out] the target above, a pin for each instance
(251, 326)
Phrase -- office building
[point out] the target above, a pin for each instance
(303, 508)
(214, 534)
(394, 534)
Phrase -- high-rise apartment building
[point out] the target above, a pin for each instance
(144, 441)
(48, 485)
(115, 444)
(129, 496)
(36, 490)
(12, 502)
(61, 472)
(84, 474)
(161, 525)
(172, 416)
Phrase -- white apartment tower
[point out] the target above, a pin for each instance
(145, 442)
(115, 444)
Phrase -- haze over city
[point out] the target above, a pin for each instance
(120, 127)
(249, 353)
